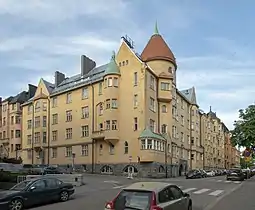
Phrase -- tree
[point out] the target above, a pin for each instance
(243, 133)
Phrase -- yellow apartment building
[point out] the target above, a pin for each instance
(10, 123)
(124, 116)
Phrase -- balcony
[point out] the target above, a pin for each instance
(4, 141)
(98, 135)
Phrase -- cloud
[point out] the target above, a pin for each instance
(60, 10)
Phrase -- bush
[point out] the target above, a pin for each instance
(6, 176)
(11, 160)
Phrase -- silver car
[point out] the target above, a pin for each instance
(151, 196)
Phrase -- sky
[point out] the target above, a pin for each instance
(213, 42)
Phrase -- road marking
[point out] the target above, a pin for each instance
(118, 187)
(219, 180)
(201, 191)
(112, 181)
(189, 189)
(227, 181)
(237, 182)
(216, 192)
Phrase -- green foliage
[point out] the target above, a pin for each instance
(244, 128)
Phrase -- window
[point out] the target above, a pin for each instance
(37, 138)
(111, 149)
(54, 135)
(12, 134)
(29, 139)
(29, 109)
(54, 119)
(17, 133)
(84, 150)
(29, 154)
(44, 106)
(135, 100)
(115, 82)
(135, 124)
(69, 116)
(44, 121)
(85, 93)
(163, 108)
(85, 112)
(54, 102)
(44, 137)
(37, 106)
(110, 82)
(126, 147)
(17, 119)
(165, 86)
(108, 124)
(135, 79)
(108, 104)
(114, 124)
(182, 137)
(69, 133)
(152, 104)
(177, 193)
(192, 140)
(69, 151)
(100, 87)
(165, 195)
(152, 82)
(100, 149)
(29, 124)
(85, 131)
(152, 125)
(182, 120)
(101, 109)
(114, 104)
(40, 184)
(37, 122)
(69, 98)
(164, 128)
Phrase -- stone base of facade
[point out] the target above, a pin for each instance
(145, 170)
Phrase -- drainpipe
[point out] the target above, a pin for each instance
(190, 113)
(93, 128)
(33, 130)
(48, 131)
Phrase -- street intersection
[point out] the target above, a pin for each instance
(205, 193)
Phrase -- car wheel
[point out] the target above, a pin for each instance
(16, 204)
(64, 196)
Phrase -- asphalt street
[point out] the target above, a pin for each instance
(205, 193)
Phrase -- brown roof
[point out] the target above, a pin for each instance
(157, 49)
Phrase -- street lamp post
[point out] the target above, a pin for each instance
(73, 157)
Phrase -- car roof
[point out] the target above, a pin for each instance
(148, 186)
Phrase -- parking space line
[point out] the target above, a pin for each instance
(216, 192)
(201, 191)
(118, 187)
(189, 189)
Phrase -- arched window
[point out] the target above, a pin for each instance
(164, 110)
(100, 149)
(126, 147)
(37, 106)
(161, 169)
(106, 170)
(130, 169)
(164, 128)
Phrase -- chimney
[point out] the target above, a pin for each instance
(86, 65)
(59, 77)
(31, 90)
(0, 100)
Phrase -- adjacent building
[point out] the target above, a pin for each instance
(10, 123)
(125, 116)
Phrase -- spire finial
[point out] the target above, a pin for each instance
(210, 108)
(113, 55)
(156, 28)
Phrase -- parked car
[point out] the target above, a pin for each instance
(151, 195)
(210, 173)
(34, 192)
(235, 174)
(203, 172)
(194, 174)
(247, 173)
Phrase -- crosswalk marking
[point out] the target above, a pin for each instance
(118, 187)
(216, 192)
(201, 191)
(219, 180)
(227, 181)
(237, 182)
(189, 189)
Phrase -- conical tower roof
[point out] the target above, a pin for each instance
(157, 49)
(112, 67)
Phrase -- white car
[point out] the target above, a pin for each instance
(210, 173)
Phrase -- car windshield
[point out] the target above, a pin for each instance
(133, 199)
(20, 186)
(234, 170)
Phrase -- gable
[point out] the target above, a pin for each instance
(41, 89)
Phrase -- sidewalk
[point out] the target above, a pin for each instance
(242, 198)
